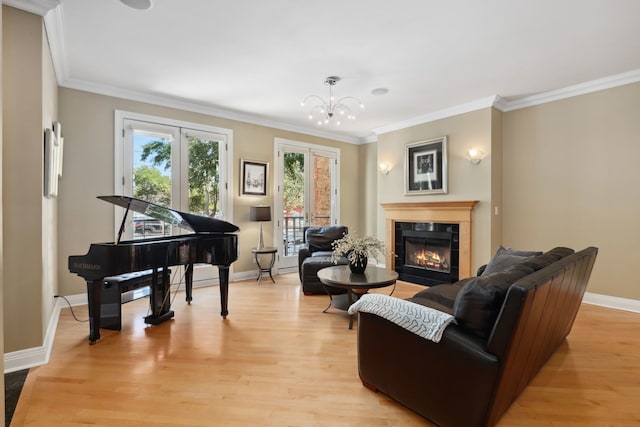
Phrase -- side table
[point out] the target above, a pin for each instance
(264, 269)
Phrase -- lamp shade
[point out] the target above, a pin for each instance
(260, 213)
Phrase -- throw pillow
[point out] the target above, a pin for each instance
(505, 258)
(480, 300)
(478, 303)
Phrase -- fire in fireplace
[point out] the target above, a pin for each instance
(421, 253)
(427, 253)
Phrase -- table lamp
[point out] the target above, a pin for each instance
(260, 214)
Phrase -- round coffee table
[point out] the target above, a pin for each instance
(341, 277)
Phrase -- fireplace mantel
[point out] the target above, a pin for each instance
(455, 212)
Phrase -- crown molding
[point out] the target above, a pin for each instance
(38, 7)
(441, 114)
(370, 138)
(571, 91)
(199, 108)
(55, 36)
(516, 103)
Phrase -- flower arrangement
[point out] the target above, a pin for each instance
(356, 248)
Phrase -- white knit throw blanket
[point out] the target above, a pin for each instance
(425, 322)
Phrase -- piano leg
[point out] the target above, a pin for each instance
(188, 278)
(224, 289)
(94, 296)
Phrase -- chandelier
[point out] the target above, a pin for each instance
(332, 111)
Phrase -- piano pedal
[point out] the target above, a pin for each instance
(156, 320)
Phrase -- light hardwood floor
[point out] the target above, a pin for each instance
(277, 360)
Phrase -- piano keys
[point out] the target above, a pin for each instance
(213, 242)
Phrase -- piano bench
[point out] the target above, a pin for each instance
(113, 289)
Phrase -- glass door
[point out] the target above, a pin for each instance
(306, 195)
(202, 187)
(175, 167)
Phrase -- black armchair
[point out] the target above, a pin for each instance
(315, 254)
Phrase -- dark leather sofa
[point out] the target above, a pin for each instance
(315, 254)
(507, 325)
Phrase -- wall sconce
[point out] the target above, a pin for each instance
(384, 167)
(475, 156)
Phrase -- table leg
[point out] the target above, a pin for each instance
(260, 269)
(273, 261)
(350, 296)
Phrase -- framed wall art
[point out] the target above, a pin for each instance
(425, 167)
(253, 178)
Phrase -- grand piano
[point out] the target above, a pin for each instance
(211, 242)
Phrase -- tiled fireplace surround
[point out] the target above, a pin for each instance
(459, 212)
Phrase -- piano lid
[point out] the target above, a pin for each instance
(197, 223)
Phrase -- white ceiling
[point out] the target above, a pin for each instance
(255, 60)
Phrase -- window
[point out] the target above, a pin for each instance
(184, 166)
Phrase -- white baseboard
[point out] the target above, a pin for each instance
(612, 302)
(36, 356)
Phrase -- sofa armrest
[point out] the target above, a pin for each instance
(424, 321)
(303, 253)
(432, 379)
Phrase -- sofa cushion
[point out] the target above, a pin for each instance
(506, 257)
(479, 301)
(440, 297)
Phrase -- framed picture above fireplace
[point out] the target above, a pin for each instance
(425, 167)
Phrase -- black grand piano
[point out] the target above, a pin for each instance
(212, 242)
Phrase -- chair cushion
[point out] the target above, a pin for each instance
(321, 238)
(313, 264)
(309, 275)
(320, 254)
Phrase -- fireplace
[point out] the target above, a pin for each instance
(449, 213)
(427, 253)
